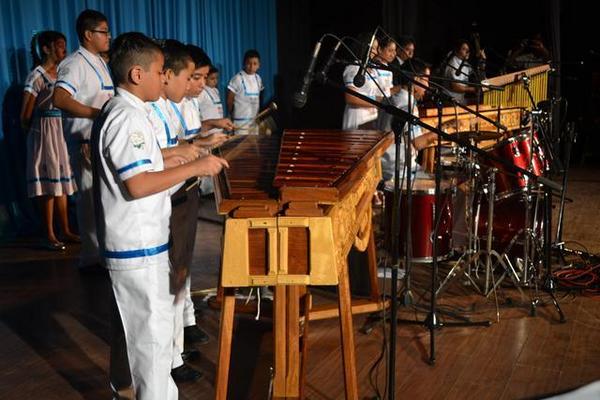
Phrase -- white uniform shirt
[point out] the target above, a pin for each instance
(451, 73)
(210, 106)
(209, 102)
(385, 80)
(247, 90)
(187, 118)
(164, 123)
(388, 158)
(87, 78)
(355, 116)
(133, 233)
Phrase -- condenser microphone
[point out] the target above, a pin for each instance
(359, 78)
(301, 96)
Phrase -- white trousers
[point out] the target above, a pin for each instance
(145, 305)
(184, 316)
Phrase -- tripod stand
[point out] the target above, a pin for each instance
(432, 320)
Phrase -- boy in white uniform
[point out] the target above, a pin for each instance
(189, 127)
(133, 208)
(83, 85)
(169, 129)
(419, 139)
(243, 94)
(209, 100)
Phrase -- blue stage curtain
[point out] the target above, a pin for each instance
(225, 29)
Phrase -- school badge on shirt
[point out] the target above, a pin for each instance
(137, 140)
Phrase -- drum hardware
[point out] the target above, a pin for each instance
(432, 320)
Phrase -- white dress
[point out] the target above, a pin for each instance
(356, 116)
(48, 168)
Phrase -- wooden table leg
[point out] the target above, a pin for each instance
(225, 337)
(293, 346)
(372, 264)
(347, 333)
(304, 349)
(279, 335)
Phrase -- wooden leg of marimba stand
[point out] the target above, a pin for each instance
(303, 361)
(225, 337)
(279, 334)
(372, 257)
(293, 340)
(347, 333)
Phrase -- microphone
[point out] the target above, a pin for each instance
(460, 67)
(359, 78)
(330, 60)
(300, 96)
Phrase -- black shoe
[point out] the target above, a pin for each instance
(193, 334)
(184, 373)
(190, 355)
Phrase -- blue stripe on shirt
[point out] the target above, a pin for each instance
(68, 84)
(133, 165)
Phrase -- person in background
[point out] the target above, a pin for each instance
(243, 94)
(83, 85)
(358, 113)
(49, 176)
(458, 68)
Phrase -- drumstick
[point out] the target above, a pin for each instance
(215, 147)
(272, 107)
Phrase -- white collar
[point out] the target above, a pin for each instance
(131, 98)
(88, 53)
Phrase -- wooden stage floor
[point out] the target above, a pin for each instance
(54, 332)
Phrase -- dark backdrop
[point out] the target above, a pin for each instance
(435, 25)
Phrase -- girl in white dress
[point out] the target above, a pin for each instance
(358, 113)
(49, 175)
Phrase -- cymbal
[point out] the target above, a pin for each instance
(477, 135)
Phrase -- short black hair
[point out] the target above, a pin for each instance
(405, 40)
(385, 41)
(213, 69)
(252, 53)
(88, 20)
(199, 57)
(459, 42)
(129, 49)
(412, 66)
(41, 40)
(176, 55)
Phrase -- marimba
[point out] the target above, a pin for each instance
(514, 93)
(295, 206)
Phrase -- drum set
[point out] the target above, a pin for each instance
(490, 225)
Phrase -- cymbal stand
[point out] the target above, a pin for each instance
(472, 172)
(489, 252)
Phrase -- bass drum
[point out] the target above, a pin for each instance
(422, 219)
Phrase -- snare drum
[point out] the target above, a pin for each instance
(423, 219)
(517, 150)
